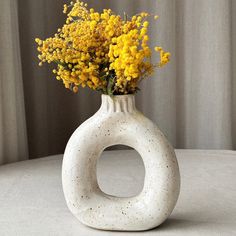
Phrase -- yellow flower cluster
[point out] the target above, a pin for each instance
(101, 50)
(164, 56)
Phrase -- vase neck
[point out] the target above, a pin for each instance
(120, 103)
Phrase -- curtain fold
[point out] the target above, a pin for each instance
(233, 66)
(192, 99)
(13, 135)
(204, 74)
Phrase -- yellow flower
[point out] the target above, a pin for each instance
(65, 9)
(100, 50)
(75, 89)
(145, 24)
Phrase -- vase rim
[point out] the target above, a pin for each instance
(118, 103)
(118, 96)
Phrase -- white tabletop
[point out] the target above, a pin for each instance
(32, 202)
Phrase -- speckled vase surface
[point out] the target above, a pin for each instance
(119, 122)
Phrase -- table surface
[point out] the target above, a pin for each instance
(32, 201)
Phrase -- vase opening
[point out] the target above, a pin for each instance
(115, 177)
(118, 103)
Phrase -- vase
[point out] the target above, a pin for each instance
(119, 122)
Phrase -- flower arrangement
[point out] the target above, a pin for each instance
(102, 51)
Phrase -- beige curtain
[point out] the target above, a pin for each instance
(13, 139)
(192, 99)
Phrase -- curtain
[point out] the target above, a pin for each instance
(13, 138)
(192, 99)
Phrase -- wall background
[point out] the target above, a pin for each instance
(192, 99)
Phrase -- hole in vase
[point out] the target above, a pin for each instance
(120, 171)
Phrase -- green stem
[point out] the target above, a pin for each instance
(110, 86)
(125, 17)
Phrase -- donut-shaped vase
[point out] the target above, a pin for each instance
(119, 122)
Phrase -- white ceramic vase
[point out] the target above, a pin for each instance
(119, 122)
